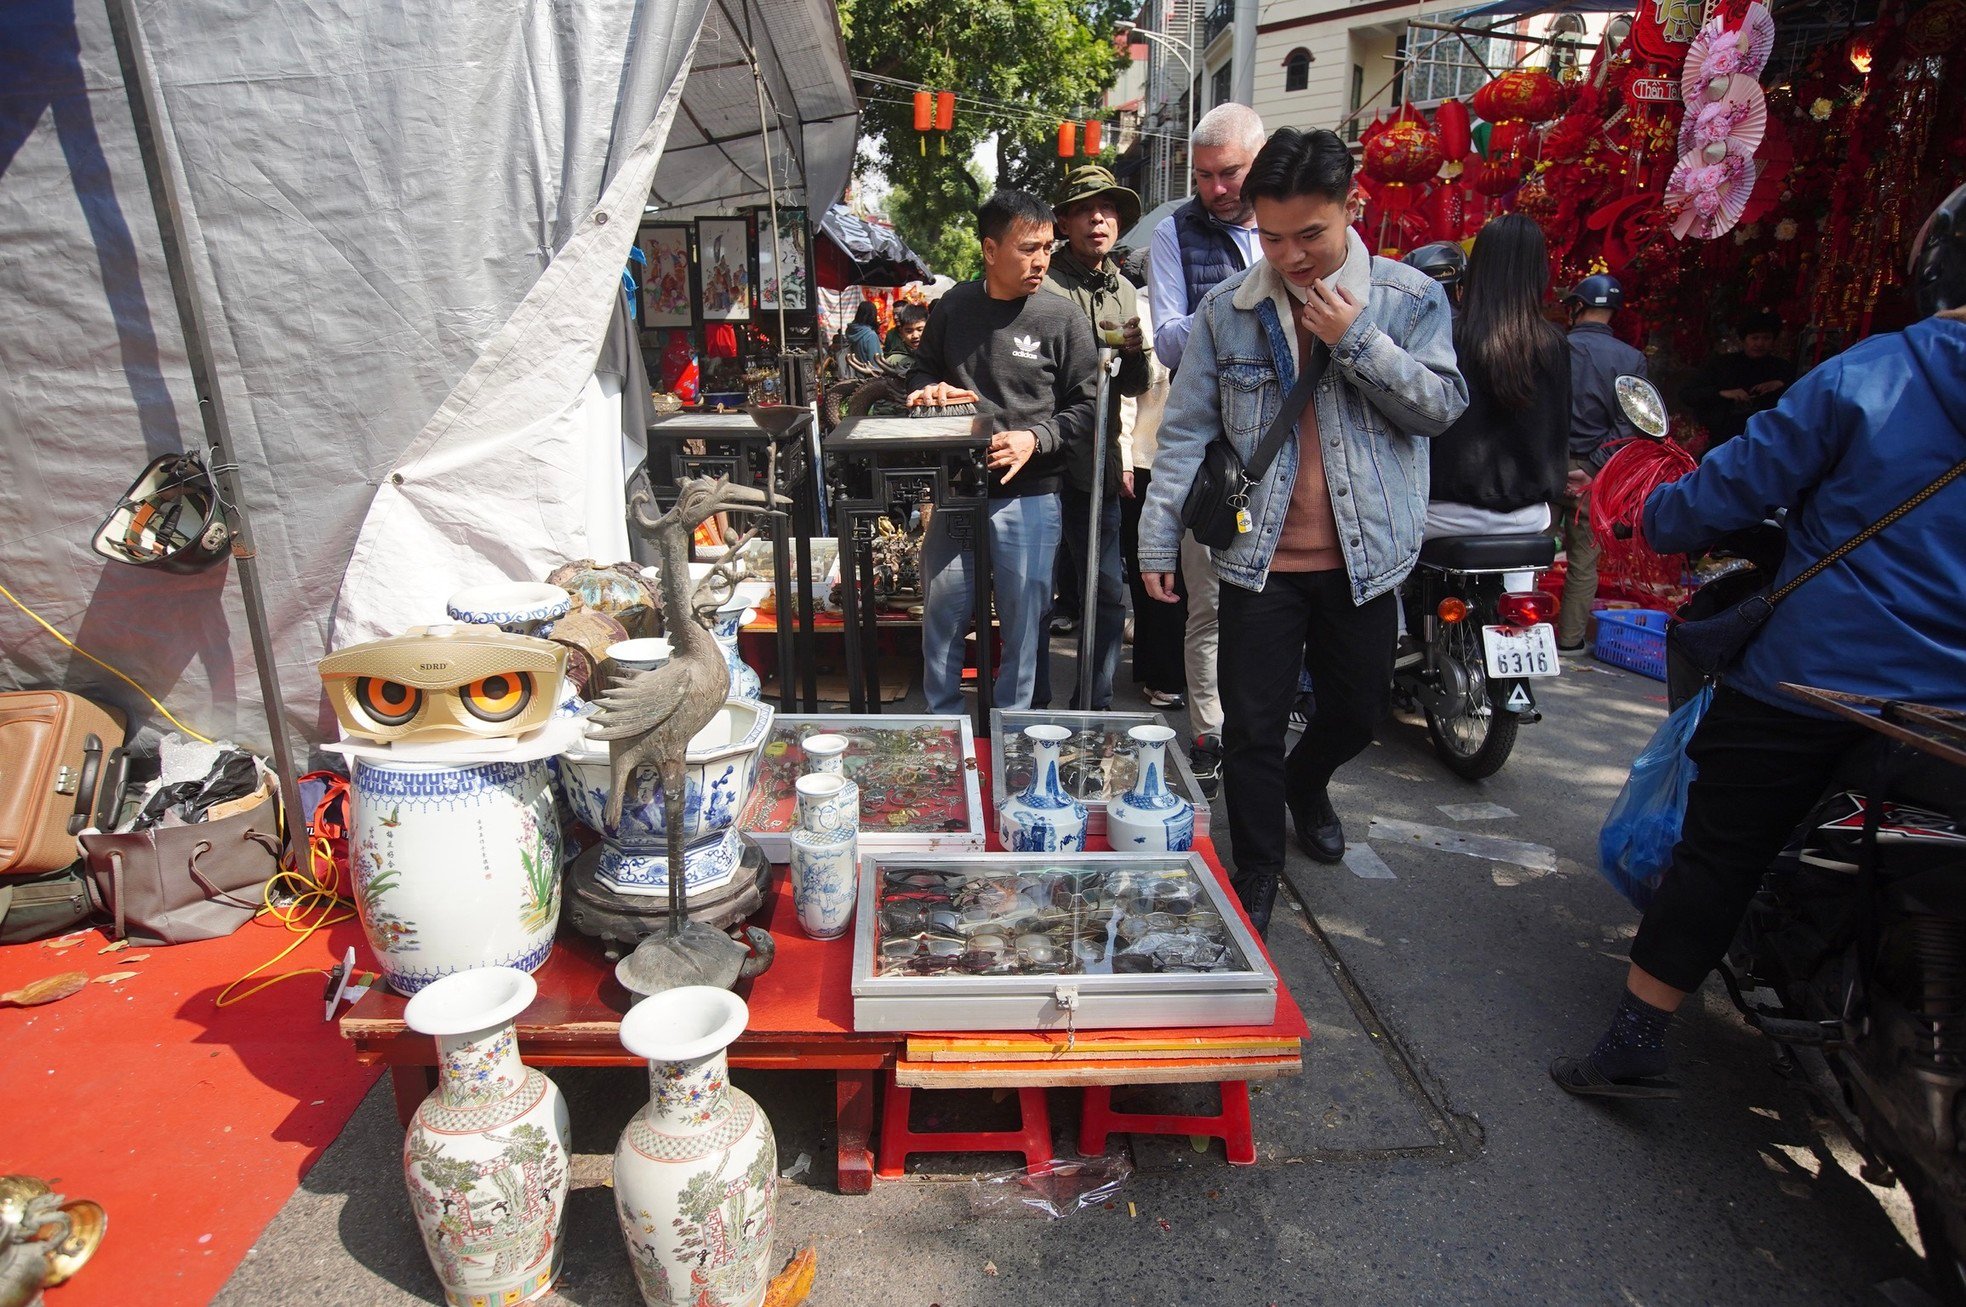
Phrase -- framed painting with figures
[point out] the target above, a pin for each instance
(919, 789)
(723, 269)
(665, 277)
(793, 282)
(1096, 764)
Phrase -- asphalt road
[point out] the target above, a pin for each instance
(1424, 1156)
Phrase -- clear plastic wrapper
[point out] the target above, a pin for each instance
(1052, 1191)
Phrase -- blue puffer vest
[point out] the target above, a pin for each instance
(1209, 255)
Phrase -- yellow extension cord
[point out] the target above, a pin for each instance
(311, 893)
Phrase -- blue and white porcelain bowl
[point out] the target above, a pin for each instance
(719, 769)
(521, 607)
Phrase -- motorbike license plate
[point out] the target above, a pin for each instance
(1519, 651)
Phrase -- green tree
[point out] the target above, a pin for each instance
(1042, 61)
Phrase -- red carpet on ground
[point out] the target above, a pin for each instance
(190, 1123)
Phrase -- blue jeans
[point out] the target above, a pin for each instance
(1023, 545)
(1077, 505)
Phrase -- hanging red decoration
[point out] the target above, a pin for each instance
(1092, 127)
(945, 110)
(1407, 151)
(1068, 140)
(1447, 208)
(1395, 197)
(924, 110)
(1452, 125)
(1520, 95)
(1492, 177)
(1504, 139)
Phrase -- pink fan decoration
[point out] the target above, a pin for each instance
(1706, 199)
(1740, 118)
(1720, 52)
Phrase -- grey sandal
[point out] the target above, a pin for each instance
(1580, 1076)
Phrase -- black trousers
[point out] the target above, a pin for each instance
(1158, 629)
(1349, 650)
(1761, 769)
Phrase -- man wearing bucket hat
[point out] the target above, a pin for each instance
(1092, 210)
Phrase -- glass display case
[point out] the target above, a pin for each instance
(1040, 942)
(1096, 764)
(919, 791)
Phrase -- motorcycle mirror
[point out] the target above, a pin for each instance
(1641, 403)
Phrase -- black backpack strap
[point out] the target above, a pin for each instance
(1286, 418)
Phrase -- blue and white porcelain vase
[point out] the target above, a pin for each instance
(455, 866)
(1044, 818)
(486, 1156)
(1150, 818)
(825, 854)
(725, 623)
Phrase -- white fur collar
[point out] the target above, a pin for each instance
(1264, 282)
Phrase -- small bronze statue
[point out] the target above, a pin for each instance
(650, 719)
(44, 1239)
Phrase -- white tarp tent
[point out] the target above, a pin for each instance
(396, 219)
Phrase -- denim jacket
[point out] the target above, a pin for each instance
(1392, 382)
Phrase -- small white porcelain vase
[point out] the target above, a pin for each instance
(825, 853)
(1044, 818)
(696, 1171)
(825, 753)
(486, 1156)
(1150, 818)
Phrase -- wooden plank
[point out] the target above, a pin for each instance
(1008, 1047)
(1024, 1075)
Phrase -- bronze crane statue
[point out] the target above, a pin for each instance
(650, 718)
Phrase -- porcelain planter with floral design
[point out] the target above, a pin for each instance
(696, 1171)
(720, 768)
(455, 866)
(486, 1156)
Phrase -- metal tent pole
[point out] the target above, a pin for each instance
(146, 114)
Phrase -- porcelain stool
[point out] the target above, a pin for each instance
(1032, 1138)
(1097, 1119)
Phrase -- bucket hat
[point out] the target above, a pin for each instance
(1088, 180)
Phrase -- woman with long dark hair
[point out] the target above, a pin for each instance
(1499, 467)
(863, 337)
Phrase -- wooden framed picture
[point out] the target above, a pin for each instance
(794, 281)
(723, 269)
(665, 277)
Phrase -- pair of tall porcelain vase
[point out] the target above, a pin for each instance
(486, 1157)
(1045, 818)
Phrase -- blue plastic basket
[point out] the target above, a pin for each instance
(1634, 639)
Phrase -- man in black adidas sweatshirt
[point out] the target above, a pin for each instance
(1029, 361)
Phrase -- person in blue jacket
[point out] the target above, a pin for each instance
(1848, 443)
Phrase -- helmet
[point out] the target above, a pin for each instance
(1938, 258)
(1445, 261)
(1599, 291)
(169, 519)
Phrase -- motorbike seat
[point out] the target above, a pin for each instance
(1488, 553)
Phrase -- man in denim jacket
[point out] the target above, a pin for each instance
(1335, 525)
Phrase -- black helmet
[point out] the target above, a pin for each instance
(1598, 291)
(1938, 258)
(1445, 261)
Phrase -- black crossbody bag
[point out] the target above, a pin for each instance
(1711, 644)
(1216, 508)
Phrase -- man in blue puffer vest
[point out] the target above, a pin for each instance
(1848, 443)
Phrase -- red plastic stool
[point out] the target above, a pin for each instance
(1097, 1119)
(1032, 1138)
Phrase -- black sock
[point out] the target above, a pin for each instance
(1635, 1045)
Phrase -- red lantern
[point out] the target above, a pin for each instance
(945, 110)
(1447, 209)
(1504, 139)
(1407, 151)
(1395, 197)
(1492, 177)
(1452, 126)
(924, 111)
(1068, 140)
(1520, 95)
(1091, 137)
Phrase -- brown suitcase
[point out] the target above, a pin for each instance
(53, 747)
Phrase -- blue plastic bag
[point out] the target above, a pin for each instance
(1635, 847)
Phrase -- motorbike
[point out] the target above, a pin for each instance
(1482, 635)
(1852, 958)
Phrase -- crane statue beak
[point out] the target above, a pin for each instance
(749, 499)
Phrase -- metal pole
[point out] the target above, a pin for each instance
(146, 116)
(1089, 615)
